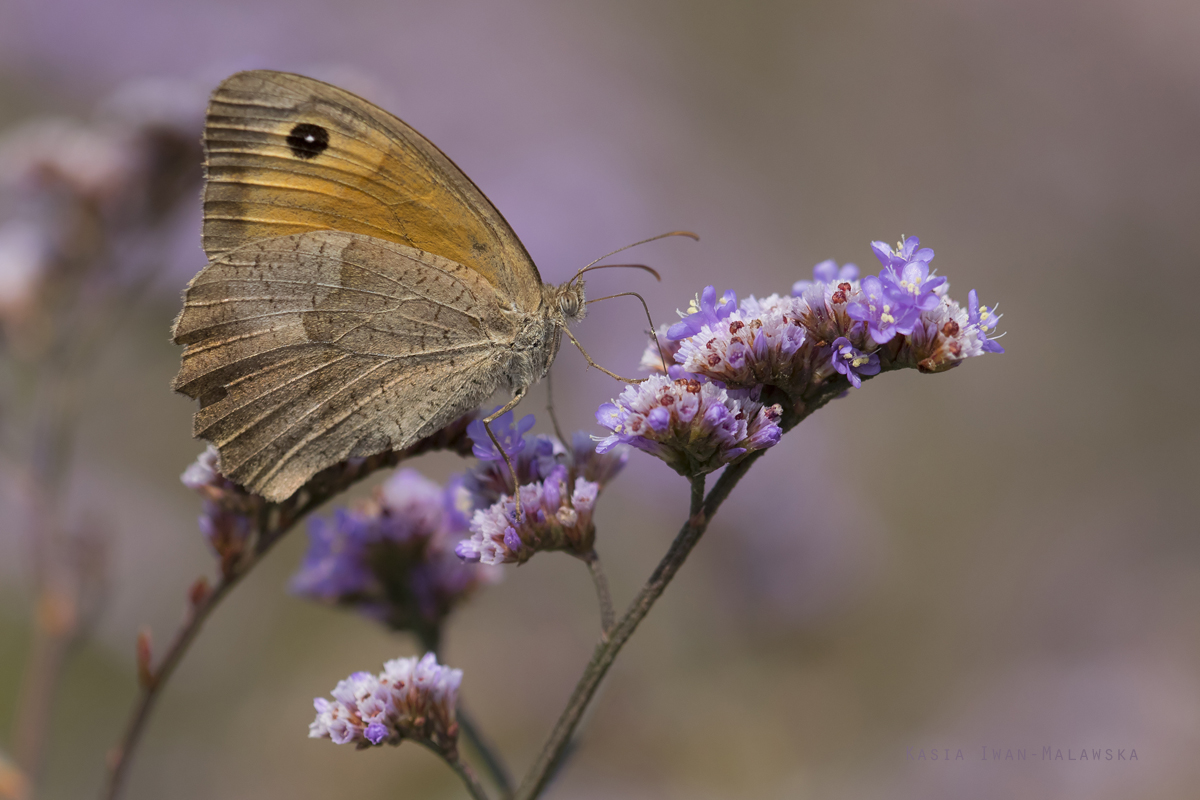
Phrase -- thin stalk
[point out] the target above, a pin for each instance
(474, 787)
(494, 765)
(464, 772)
(43, 669)
(64, 582)
(274, 521)
(58, 579)
(701, 512)
(431, 640)
(121, 756)
(608, 614)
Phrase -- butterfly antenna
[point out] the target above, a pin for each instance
(688, 234)
(642, 267)
(653, 330)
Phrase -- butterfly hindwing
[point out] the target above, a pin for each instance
(307, 349)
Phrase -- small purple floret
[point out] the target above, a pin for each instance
(986, 319)
(884, 316)
(703, 311)
(392, 557)
(694, 427)
(511, 438)
(826, 272)
(911, 286)
(376, 732)
(411, 699)
(904, 253)
(852, 362)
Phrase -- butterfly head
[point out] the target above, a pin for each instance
(569, 300)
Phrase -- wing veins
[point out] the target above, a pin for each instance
(334, 286)
(364, 170)
(273, 409)
(315, 430)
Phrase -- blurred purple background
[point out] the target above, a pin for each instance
(1002, 556)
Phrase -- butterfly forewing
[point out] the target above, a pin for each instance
(308, 349)
(288, 154)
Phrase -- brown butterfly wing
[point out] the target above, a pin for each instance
(308, 349)
(288, 154)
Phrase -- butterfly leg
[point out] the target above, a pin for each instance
(487, 425)
(653, 332)
(597, 366)
(550, 407)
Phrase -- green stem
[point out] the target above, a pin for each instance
(702, 510)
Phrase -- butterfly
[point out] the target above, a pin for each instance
(361, 293)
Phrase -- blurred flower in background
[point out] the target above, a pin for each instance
(87, 210)
(229, 514)
(391, 557)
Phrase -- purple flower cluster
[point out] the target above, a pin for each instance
(532, 458)
(510, 437)
(392, 557)
(827, 271)
(411, 699)
(558, 493)
(703, 310)
(852, 362)
(552, 518)
(658, 352)
(228, 512)
(756, 345)
(834, 326)
(694, 427)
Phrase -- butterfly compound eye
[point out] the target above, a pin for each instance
(571, 301)
(308, 140)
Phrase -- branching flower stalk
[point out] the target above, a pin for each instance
(701, 512)
(271, 522)
(801, 352)
(608, 614)
(493, 763)
(743, 374)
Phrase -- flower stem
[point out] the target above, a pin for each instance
(120, 757)
(464, 772)
(274, 520)
(608, 614)
(491, 761)
(702, 510)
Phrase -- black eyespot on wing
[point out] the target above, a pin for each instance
(308, 140)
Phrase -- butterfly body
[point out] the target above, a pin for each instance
(361, 293)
